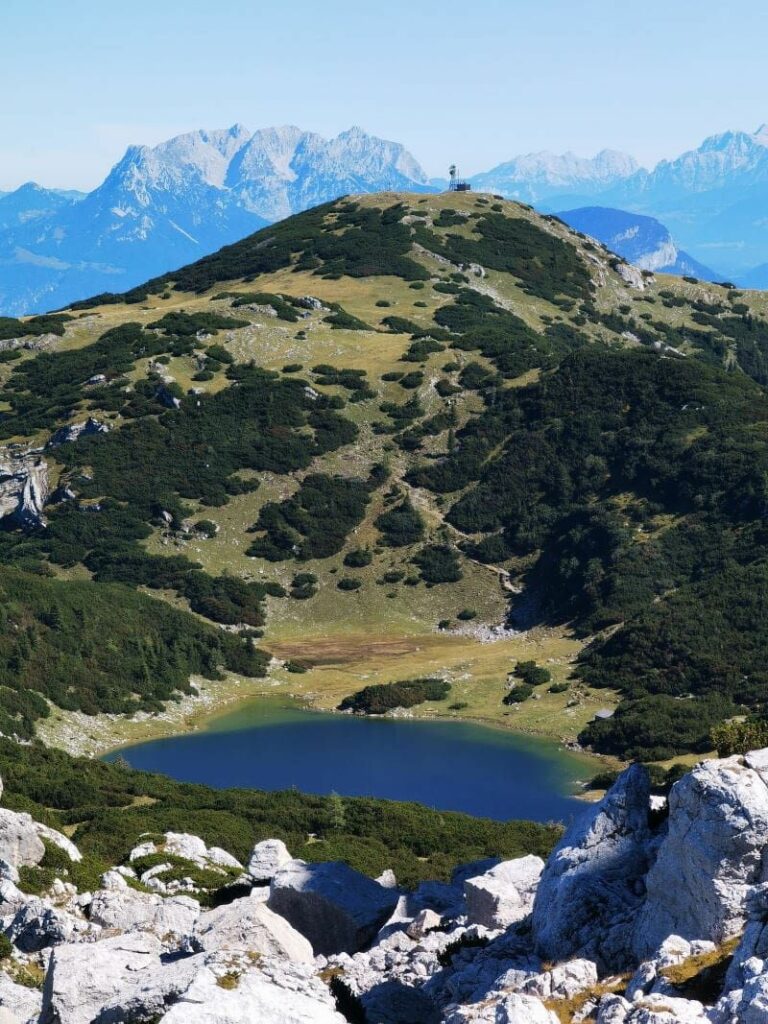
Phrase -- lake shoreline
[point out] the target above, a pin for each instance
(275, 743)
(104, 735)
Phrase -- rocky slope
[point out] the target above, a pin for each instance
(651, 910)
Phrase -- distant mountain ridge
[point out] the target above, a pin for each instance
(641, 240)
(538, 177)
(713, 199)
(166, 205)
(170, 204)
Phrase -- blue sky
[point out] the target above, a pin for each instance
(476, 82)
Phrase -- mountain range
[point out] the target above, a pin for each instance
(712, 199)
(163, 206)
(641, 240)
(169, 204)
(400, 454)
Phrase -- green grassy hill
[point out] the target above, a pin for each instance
(366, 437)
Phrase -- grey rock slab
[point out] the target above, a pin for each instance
(710, 859)
(272, 992)
(115, 980)
(592, 886)
(20, 842)
(504, 894)
(336, 908)
(25, 1003)
(248, 925)
(124, 909)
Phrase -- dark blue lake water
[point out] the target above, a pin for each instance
(447, 765)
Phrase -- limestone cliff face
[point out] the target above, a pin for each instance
(24, 489)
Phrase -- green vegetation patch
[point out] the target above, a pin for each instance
(112, 806)
(377, 700)
(101, 648)
(315, 522)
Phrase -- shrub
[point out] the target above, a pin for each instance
(376, 700)
(207, 527)
(358, 558)
(303, 586)
(348, 583)
(400, 526)
(438, 563)
(518, 694)
(532, 673)
(559, 687)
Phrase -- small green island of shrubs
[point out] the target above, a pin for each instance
(383, 697)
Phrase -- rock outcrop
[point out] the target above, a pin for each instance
(74, 431)
(20, 842)
(504, 894)
(249, 926)
(336, 908)
(24, 489)
(593, 886)
(267, 858)
(123, 909)
(710, 858)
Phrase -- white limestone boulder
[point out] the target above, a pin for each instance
(125, 910)
(20, 842)
(38, 924)
(511, 1009)
(592, 887)
(267, 857)
(231, 990)
(336, 908)
(424, 922)
(118, 979)
(563, 981)
(194, 849)
(503, 895)
(24, 1003)
(249, 926)
(710, 858)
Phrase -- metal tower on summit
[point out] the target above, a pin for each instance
(457, 183)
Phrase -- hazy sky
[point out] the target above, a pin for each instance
(474, 82)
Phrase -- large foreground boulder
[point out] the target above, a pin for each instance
(226, 990)
(593, 885)
(117, 979)
(25, 1003)
(339, 910)
(711, 857)
(504, 894)
(249, 926)
(126, 979)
